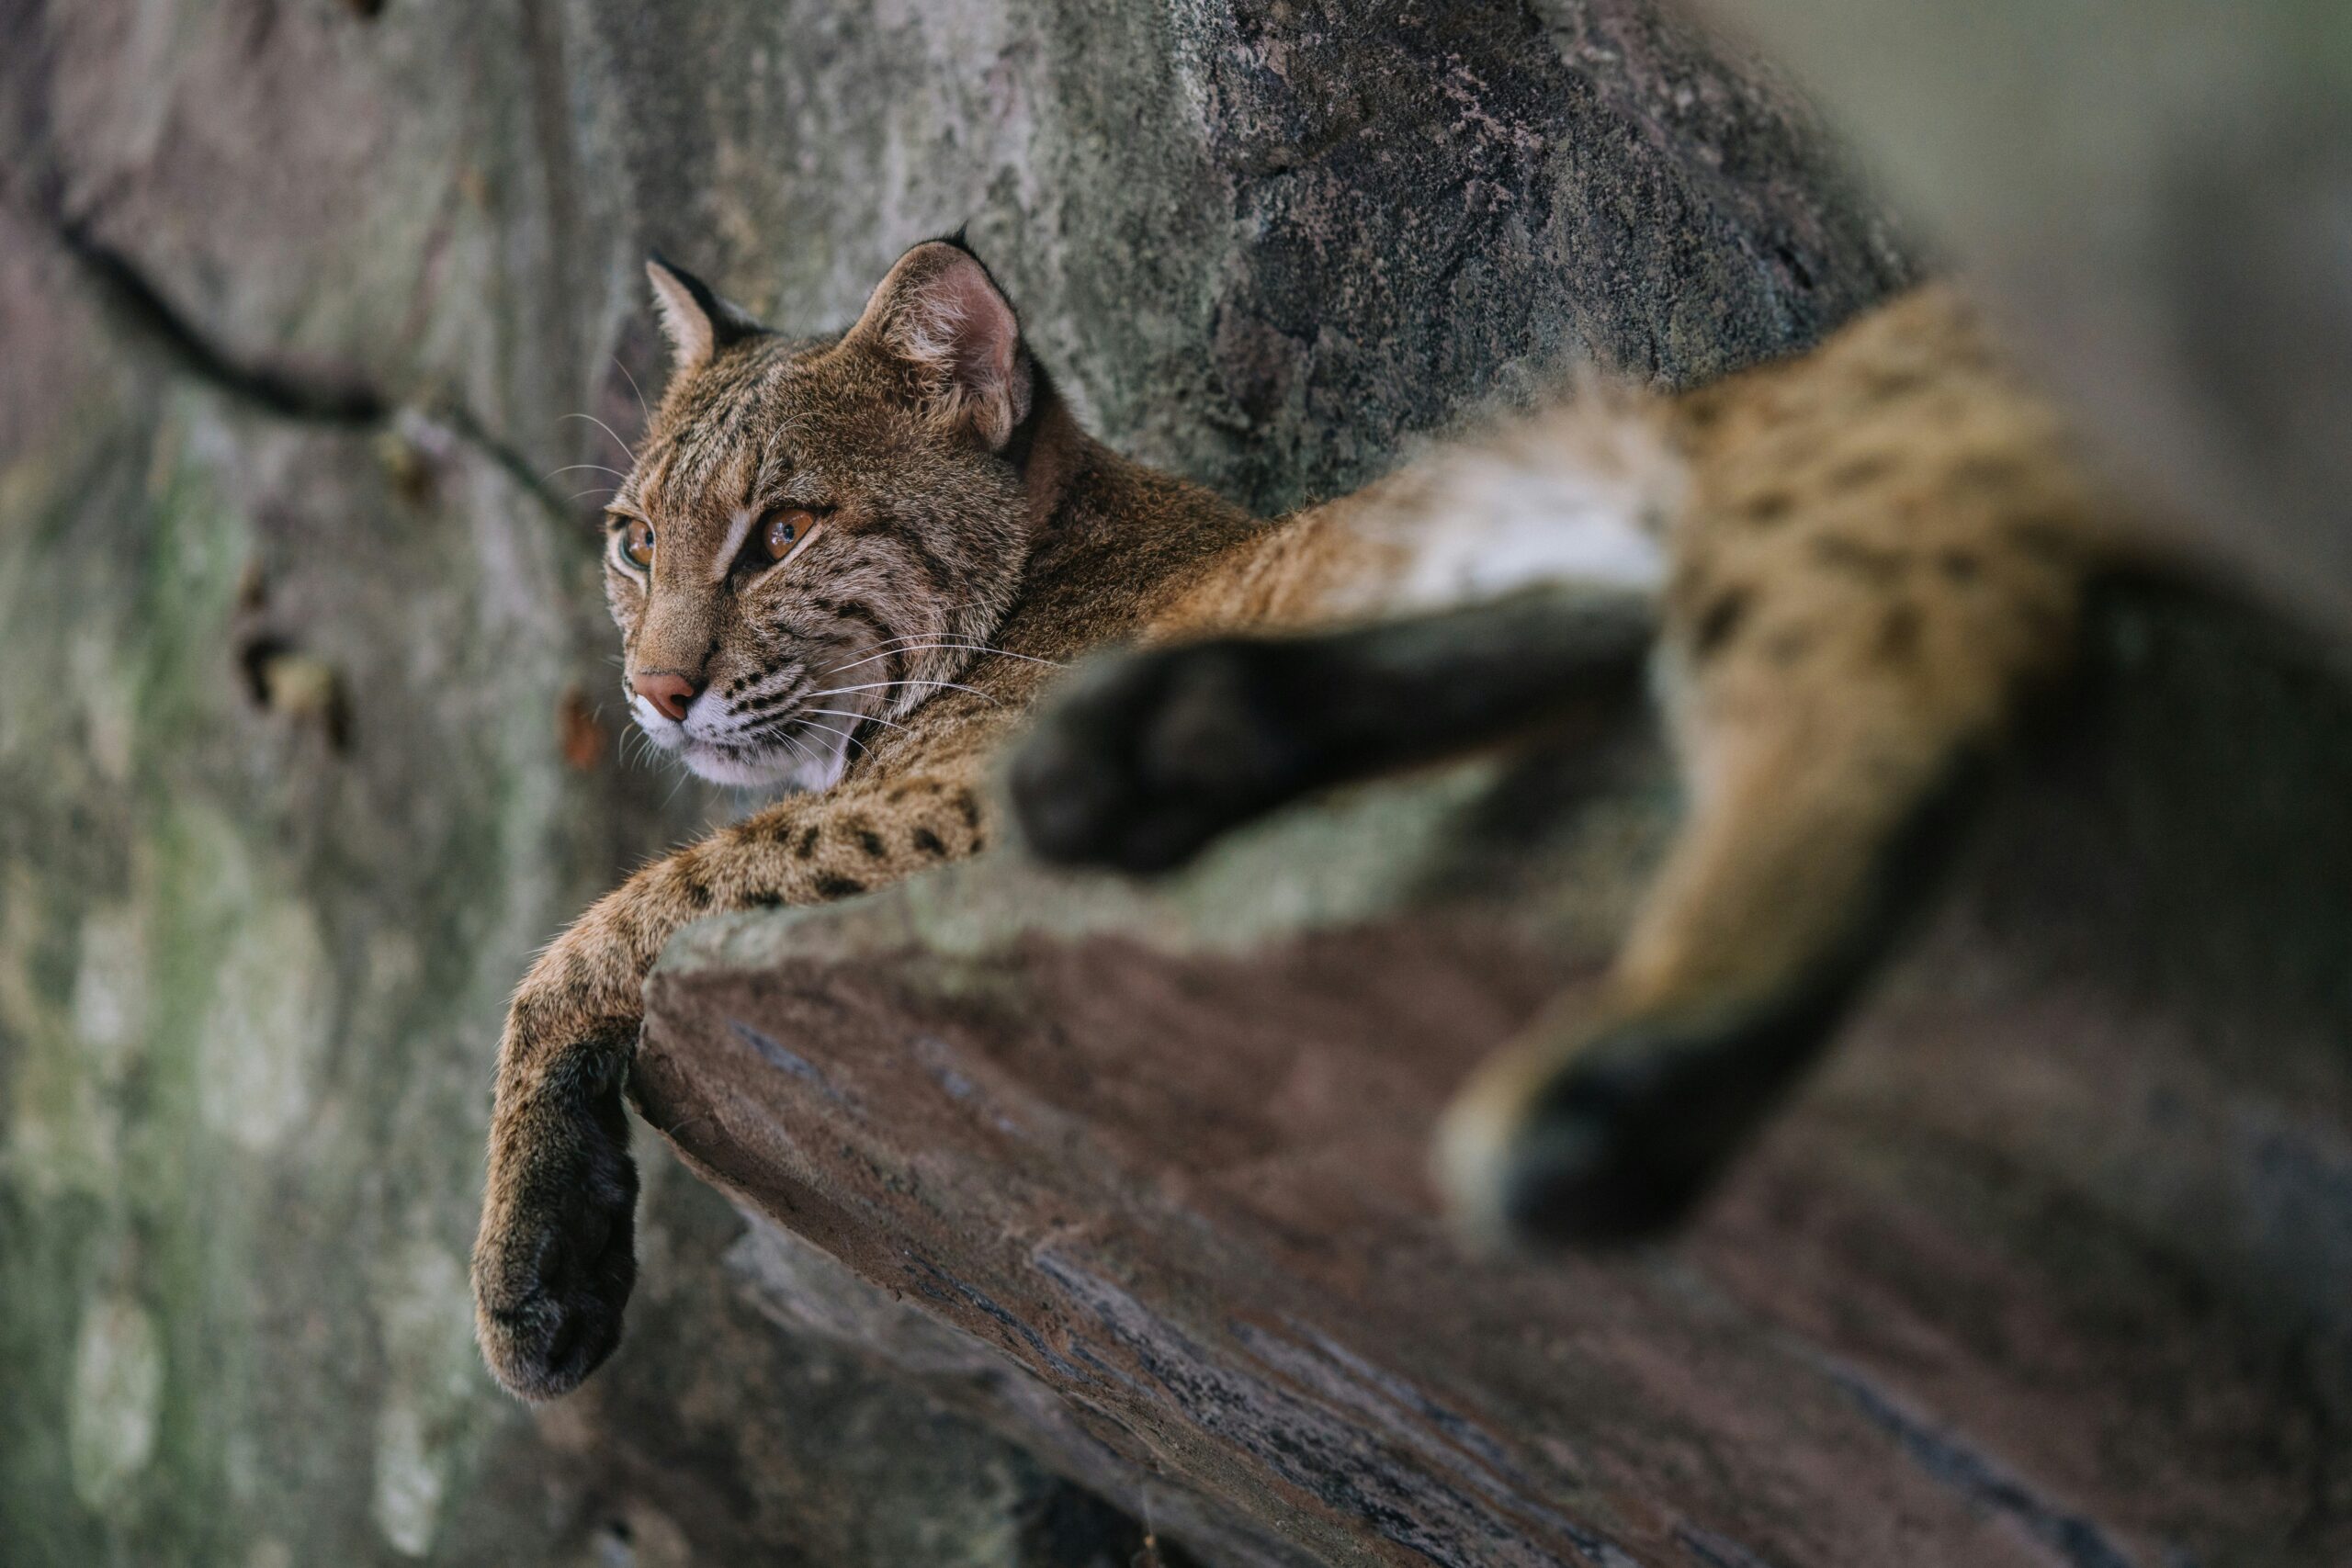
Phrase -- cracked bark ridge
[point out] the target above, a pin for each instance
(2048, 1268)
(302, 394)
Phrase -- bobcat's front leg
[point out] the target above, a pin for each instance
(1147, 757)
(555, 1259)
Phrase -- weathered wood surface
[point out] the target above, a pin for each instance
(2050, 1266)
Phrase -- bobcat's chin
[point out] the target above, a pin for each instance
(815, 768)
(801, 756)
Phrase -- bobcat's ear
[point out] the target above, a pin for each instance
(942, 315)
(697, 322)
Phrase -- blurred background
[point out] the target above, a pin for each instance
(322, 330)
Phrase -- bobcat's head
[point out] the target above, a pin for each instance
(818, 531)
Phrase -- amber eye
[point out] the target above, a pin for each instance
(785, 530)
(637, 542)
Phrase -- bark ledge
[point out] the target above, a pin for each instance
(2047, 1267)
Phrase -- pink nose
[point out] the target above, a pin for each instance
(666, 691)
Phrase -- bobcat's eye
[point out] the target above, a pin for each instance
(785, 530)
(637, 542)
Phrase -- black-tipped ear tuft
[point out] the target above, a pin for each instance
(697, 322)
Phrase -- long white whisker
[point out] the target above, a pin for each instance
(632, 387)
(799, 751)
(845, 734)
(844, 713)
(912, 636)
(892, 685)
(942, 634)
(927, 646)
(568, 467)
(889, 643)
(606, 428)
(952, 610)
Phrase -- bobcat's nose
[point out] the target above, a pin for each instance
(667, 691)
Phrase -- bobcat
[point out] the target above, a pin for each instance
(852, 565)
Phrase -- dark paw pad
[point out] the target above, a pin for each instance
(1595, 1175)
(1615, 1146)
(1150, 757)
(553, 1269)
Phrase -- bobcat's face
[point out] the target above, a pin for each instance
(815, 535)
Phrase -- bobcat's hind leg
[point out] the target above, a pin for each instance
(1840, 674)
(1815, 826)
(1150, 756)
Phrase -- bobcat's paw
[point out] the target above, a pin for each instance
(1612, 1141)
(1150, 756)
(556, 1257)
